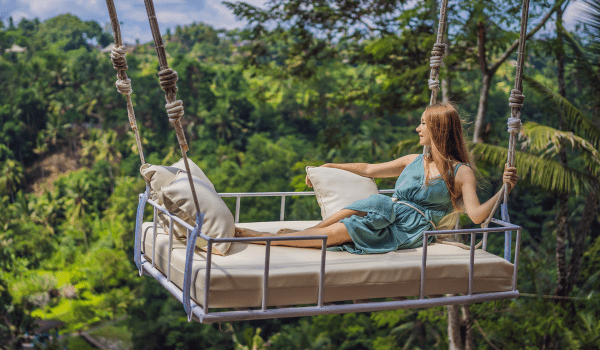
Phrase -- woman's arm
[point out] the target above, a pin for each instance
(466, 183)
(388, 169)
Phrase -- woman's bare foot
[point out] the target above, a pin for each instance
(286, 230)
(246, 232)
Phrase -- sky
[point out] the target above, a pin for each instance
(132, 13)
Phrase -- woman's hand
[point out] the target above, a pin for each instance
(307, 182)
(510, 177)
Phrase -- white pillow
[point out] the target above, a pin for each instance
(336, 188)
(161, 175)
(218, 220)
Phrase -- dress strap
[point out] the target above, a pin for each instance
(458, 165)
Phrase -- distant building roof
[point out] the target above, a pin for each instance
(16, 48)
(108, 48)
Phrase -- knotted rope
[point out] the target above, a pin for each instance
(515, 102)
(168, 82)
(117, 55)
(168, 79)
(435, 62)
(174, 110)
(123, 84)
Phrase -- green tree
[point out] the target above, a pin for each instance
(11, 178)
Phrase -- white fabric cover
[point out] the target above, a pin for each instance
(236, 280)
(160, 175)
(336, 188)
(218, 220)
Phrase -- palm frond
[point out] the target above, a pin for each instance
(542, 138)
(591, 18)
(578, 122)
(545, 173)
(409, 145)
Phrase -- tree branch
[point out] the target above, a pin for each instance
(484, 335)
(515, 44)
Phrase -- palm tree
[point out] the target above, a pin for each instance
(77, 205)
(11, 177)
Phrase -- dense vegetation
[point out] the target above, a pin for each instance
(300, 86)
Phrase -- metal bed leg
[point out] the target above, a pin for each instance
(137, 248)
(189, 262)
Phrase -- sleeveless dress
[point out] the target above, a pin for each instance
(390, 225)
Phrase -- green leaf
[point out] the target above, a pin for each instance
(545, 173)
(542, 138)
(581, 124)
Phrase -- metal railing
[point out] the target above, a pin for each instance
(202, 314)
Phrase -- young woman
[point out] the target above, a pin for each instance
(428, 188)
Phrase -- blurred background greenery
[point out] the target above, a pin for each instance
(303, 84)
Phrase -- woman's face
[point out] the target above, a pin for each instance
(424, 135)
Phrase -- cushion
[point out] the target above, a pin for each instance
(218, 220)
(237, 279)
(161, 175)
(336, 188)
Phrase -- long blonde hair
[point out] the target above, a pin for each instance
(445, 127)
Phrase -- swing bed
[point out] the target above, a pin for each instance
(264, 282)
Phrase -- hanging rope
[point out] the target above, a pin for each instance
(168, 82)
(436, 61)
(514, 127)
(437, 54)
(123, 83)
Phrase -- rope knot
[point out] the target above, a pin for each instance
(174, 110)
(124, 86)
(514, 125)
(516, 98)
(168, 79)
(117, 55)
(434, 84)
(437, 55)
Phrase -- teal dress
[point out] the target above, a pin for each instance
(389, 225)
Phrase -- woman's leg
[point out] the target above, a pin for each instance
(342, 214)
(337, 234)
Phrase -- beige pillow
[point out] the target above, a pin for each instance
(218, 220)
(161, 175)
(336, 188)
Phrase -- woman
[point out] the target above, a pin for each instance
(428, 188)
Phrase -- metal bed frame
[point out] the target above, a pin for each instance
(202, 314)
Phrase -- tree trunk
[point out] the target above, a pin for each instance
(482, 108)
(467, 322)
(583, 230)
(562, 224)
(454, 334)
(486, 77)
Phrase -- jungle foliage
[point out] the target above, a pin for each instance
(337, 82)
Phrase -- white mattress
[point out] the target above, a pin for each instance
(236, 279)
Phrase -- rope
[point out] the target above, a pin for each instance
(168, 82)
(437, 54)
(168, 79)
(123, 84)
(515, 101)
(435, 62)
